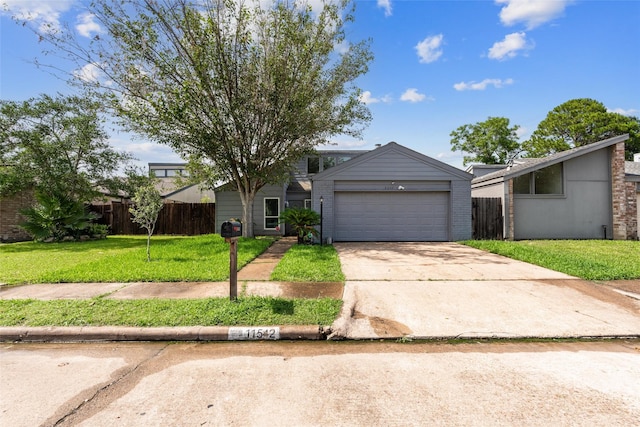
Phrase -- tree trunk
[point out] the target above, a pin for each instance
(247, 213)
(149, 246)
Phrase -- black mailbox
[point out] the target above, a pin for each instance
(231, 229)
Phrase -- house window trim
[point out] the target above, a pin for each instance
(264, 211)
(307, 204)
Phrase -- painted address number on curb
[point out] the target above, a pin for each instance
(255, 333)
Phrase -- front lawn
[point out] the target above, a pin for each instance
(309, 263)
(587, 259)
(123, 259)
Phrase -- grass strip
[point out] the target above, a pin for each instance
(587, 259)
(249, 311)
(309, 263)
(123, 259)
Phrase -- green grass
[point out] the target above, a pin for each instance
(304, 263)
(250, 311)
(587, 259)
(123, 259)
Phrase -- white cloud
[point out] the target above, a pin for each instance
(531, 12)
(497, 83)
(87, 25)
(429, 49)
(367, 98)
(44, 14)
(630, 112)
(386, 5)
(412, 95)
(510, 46)
(90, 73)
(342, 47)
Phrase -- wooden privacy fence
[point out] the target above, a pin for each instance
(486, 218)
(174, 218)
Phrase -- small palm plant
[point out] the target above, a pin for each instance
(303, 222)
(55, 217)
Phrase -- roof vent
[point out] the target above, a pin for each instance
(378, 145)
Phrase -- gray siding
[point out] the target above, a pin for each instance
(580, 213)
(394, 168)
(461, 210)
(228, 205)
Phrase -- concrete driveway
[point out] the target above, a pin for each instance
(447, 290)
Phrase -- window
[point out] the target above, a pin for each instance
(271, 213)
(549, 180)
(522, 184)
(313, 165)
(543, 181)
(328, 162)
(307, 203)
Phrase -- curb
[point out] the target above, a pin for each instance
(190, 333)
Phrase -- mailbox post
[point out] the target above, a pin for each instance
(231, 230)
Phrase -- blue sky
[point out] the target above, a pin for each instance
(438, 65)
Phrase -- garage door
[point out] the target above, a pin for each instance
(386, 216)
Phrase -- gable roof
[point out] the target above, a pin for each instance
(632, 171)
(390, 148)
(530, 165)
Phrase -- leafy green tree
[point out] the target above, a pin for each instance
(147, 205)
(580, 122)
(488, 142)
(244, 89)
(56, 145)
(303, 221)
(57, 217)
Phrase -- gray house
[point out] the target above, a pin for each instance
(575, 194)
(391, 193)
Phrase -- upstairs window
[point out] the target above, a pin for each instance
(328, 162)
(548, 180)
(313, 165)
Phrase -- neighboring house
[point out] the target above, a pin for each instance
(10, 217)
(391, 193)
(632, 178)
(575, 194)
(170, 188)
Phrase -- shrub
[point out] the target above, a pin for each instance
(303, 222)
(56, 217)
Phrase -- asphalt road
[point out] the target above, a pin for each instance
(321, 383)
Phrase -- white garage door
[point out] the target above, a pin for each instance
(391, 217)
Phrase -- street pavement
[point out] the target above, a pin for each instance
(311, 383)
(392, 291)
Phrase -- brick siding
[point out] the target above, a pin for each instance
(10, 217)
(619, 193)
(632, 210)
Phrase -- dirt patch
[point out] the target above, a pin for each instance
(384, 327)
(603, 291)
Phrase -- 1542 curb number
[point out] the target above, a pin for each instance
(254, 333)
